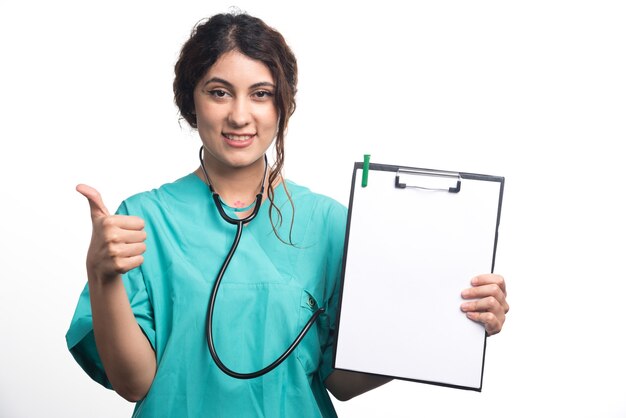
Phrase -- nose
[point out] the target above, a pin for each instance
(240, 113)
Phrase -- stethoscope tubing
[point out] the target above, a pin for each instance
(239, 223)
(209, 322)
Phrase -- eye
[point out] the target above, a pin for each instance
(262, 94)
(218, 93)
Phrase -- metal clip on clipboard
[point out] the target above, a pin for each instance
(411, 173)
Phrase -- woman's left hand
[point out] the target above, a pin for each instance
(490, 306)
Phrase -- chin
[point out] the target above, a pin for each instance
(243, 162)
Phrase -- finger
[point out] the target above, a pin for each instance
(483, 279)
(114, 235)
(125, 222)
(485, 291)
(488, 304)
(121, 251)
(132, 237)
(126, 264)
(98, 209)
(492, 323)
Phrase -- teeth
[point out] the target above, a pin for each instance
(239, 137)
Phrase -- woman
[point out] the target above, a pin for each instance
(139, 326)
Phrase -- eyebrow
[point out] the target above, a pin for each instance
(230, 85)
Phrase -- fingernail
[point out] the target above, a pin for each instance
(465, 293)
(465, 306)
(475, 280)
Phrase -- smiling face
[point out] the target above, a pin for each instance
(235, 111)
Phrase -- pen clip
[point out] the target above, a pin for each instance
(366, 169)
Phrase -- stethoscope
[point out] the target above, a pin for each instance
(209, 318)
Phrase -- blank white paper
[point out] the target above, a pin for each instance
(409, 255)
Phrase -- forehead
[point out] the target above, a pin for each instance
(238, 68)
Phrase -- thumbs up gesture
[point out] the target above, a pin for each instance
(117, 241)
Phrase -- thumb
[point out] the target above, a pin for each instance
(98, 209)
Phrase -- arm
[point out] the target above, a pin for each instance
(116, 247)
(126, 353)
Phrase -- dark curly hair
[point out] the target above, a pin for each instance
(249, 35)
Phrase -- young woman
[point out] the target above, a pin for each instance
(144, 325)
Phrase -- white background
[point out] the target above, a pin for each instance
(534, 91)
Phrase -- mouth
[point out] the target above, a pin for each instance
(239, 140)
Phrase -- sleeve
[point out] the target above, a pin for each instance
(336, 224)
(80, 337)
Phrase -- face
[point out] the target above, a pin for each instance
(235, 111)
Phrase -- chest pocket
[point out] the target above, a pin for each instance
(309, 351)
(254, 323)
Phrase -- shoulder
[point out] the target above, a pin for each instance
(305, 199)
(183, 192)
(319, 211)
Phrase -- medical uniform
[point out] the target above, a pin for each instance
(269, 292)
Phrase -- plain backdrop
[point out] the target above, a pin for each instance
(533, 91)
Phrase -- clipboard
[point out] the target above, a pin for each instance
(414, 239)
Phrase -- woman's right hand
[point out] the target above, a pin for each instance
(117, 245)
(117, 241)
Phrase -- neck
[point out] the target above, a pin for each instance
(237, 186)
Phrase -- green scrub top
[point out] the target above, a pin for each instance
(268, 293)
